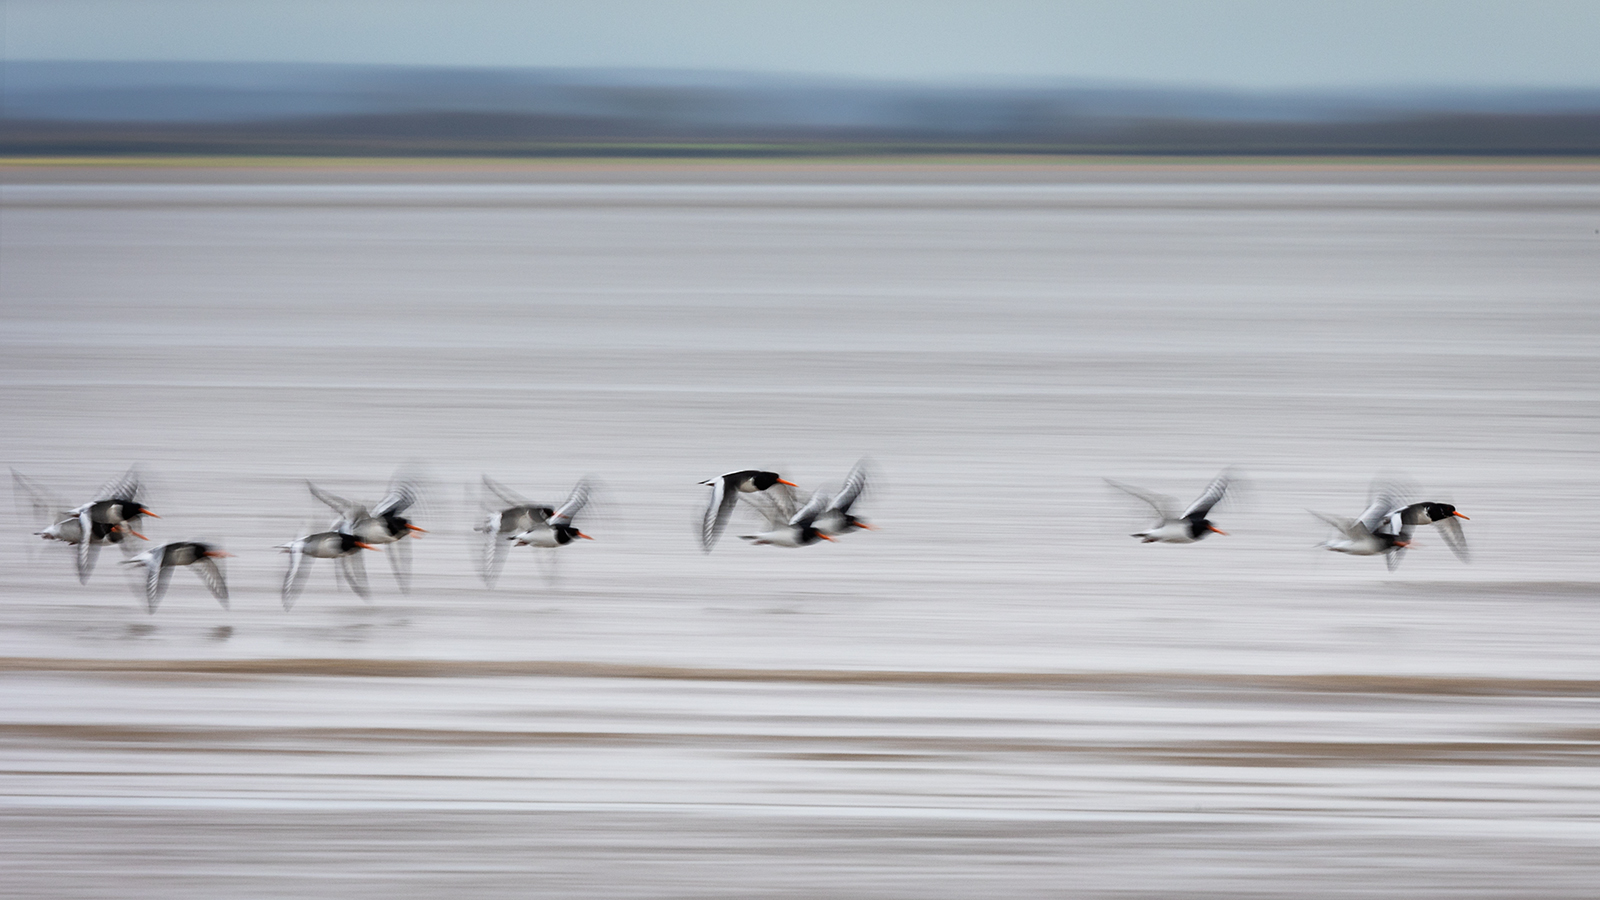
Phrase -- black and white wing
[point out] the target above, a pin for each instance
(850, 492)
(335, 502)
(575, 503)
(492, 557)
(1386, 504)
(775, 504)
(1454, 538)
(211, 574)
(355, 575)
(723, 498)
(156, 578)
(399, 554)
(807, 514)
(87, 548)
(124, 487)
(507, 496)
(401, 497)
(294, 580)
(1210, 497)
(1164, 506)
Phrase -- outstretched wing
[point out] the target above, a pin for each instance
(494, 550)
(1454, 538)
(294, 580)
(723, 499)
(1350, 528)
(575, 503)
(507, 496)
(1386, 498)
(1209, 498)
(401, 497)
(34, 501)
(1161, 503)
(211, 574)
(807, 514)
(87, 548)
(850, 492)
(355, 575)
(123, 487)
(776, 505)
(1393, 557)
(335, 502)
(155, 581)
(399, 554)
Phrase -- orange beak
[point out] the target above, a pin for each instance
(584, 536)
(823, 536)
(365, 546)
(146, 512)
(866, 526)
(1460, 516)
(218, 553)
(1217, 530)
(415, 529)
(789, 483)
(137, 535)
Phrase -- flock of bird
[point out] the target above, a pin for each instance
(114, 514)
(1383, 529)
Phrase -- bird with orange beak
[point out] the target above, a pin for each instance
(160, 561)
(725, 492)
(1175, 528)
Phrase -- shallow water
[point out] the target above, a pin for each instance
(996, 692)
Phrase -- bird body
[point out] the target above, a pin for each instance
(797, 529)
(1187, 527)
(384, 523)
(836, 519)
(1378, 531)
(161, 560)
(324, 545)
(556, 529)
(725, 492)
(116, 507)
(1442, 516)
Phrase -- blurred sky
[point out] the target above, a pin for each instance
(1252, 44)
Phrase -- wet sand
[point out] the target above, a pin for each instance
(999, 692)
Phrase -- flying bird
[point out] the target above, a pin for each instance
(797, 528)
(1441, 515)
(324, 545)
(1174, 528)
(515, 515)
(836, 519)
(556, 529)
(115, 507)
(725, 492)
(160, 561)
(1379, 530)
(384, 523)
(63, 526)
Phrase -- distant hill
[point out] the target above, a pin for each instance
(105, 107)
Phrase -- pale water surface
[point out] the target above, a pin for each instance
(998, 693)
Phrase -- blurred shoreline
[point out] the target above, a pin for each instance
(291, 169)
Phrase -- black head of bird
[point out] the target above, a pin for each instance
(1440, 511)
(400, 526)
(764, 480)
(565, 534)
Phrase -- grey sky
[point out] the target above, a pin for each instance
(1234, 43)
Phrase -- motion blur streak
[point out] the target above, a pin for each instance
(996, 692)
